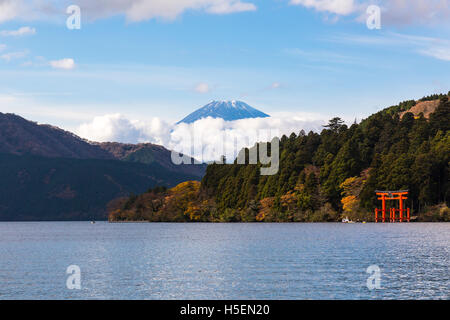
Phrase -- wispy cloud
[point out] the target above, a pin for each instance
(65, 64)
(440, 53)
(23, 31)
(322, 56)
(13, 55)
(275, 85)
(430, 46)
(202, 88)
(383, 39)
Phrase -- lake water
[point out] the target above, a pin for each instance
(224, 261)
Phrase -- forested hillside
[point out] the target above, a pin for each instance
(325, 176)
(40, 188)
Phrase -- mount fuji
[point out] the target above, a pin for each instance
(227, 110)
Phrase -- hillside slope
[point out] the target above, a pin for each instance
(40, 188)
(150, 153)
(424, 107)
(23, 137)
(20, 136)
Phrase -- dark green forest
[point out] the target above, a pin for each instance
(325, 176)
(42, 188)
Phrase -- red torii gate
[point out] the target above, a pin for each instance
(392, 195)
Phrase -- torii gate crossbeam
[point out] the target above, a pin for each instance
(392, 195)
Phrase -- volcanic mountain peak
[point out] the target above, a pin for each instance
(226, 110)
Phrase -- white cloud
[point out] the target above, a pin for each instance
(141, 10)
(66, 64)
(225, 7)
(210, 133)
(202, 88)
(341, 7)
(9, 9)
(133, 10)
(23, 31)
(138, 10)
(415, 11)
(2, 47)
(394, 12)
(113, 127)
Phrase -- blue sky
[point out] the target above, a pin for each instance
(278, 56)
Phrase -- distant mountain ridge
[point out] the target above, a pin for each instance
(148, 153)
(20, 136)
(227, 110)
(23, 137)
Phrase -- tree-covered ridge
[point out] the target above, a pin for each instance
(35, 188)
(325, 176)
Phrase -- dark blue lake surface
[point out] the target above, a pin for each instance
(224, 261)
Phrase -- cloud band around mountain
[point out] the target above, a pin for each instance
(214, 135)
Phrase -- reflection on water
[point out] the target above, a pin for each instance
(224, 261)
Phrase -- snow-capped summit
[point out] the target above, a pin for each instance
(227, 110)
